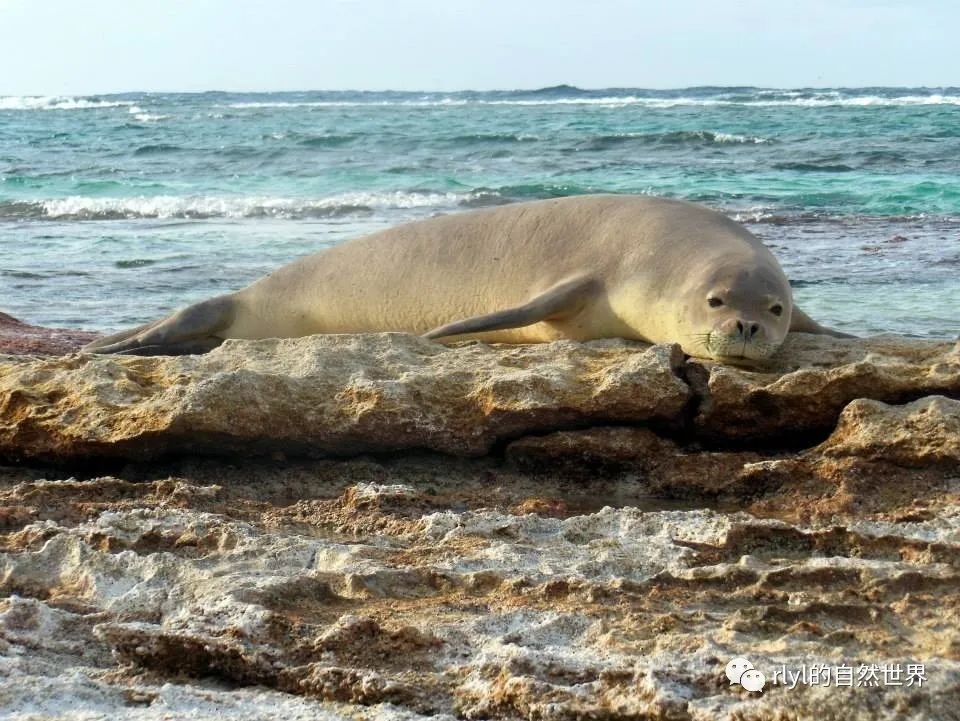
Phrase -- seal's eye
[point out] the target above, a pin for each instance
(714, 302)
(777, 309)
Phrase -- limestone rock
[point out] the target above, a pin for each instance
(634, 535)
(812, 379)
(923, 433)
(663, 467)
(341, 395)
(330, 395)
(465, 610)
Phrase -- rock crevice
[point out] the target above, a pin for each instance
(346, 395)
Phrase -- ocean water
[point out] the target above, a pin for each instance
(117, 209)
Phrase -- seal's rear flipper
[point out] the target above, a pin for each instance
(192, 347)
(191, 330)
(800, 322)
(97, 345)
(563, 298)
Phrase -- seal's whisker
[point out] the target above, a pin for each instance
(701, 339)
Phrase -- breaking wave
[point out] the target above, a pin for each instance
(51, 102)
(140, 115)
(756, 99)
(680, 137)
(202, 207)
(561, 95)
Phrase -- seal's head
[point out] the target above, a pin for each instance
(741, 315)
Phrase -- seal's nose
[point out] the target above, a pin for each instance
(747, 329)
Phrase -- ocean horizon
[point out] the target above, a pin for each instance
(118, 208)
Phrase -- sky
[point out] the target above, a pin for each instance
(71, 47)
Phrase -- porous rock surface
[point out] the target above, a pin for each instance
(815, 377)
(550, 532)
(341, 395)
(329, 395)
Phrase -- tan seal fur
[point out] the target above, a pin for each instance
(585, 267)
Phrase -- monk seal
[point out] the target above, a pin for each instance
(583, 267)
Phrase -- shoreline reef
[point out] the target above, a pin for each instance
(377, 526)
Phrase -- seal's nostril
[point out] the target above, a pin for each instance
(740, 327)
(754, 327)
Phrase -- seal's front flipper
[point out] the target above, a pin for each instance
(191, 330)
(563, 298)
(800, 322)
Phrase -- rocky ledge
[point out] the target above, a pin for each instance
(380, 527)
(19, 338)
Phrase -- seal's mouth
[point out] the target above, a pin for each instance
(736, 349)
(741, 361)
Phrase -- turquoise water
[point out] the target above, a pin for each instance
(116, 209)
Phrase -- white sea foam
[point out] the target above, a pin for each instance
(791, 99)
(169, 206)
(769, 98)
(756, 214)
(746, 139)
(51, 102)
(863, 100)
(143, 117)
(703, 136)
(437, 102)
